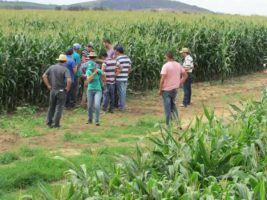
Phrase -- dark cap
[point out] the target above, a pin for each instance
(119, 49)
(69, 51)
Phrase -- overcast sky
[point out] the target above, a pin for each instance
(245, 7)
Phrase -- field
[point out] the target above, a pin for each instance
(219, 156)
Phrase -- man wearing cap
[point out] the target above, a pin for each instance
(172, 76)
(94, 93)
(77, 60)
(70, 64)
(123, 69)
(57, 79)
(86, 51)
(91, 57)
(188, 66)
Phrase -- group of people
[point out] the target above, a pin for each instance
(104, 80)
(103, 77)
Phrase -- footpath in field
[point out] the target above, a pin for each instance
(123, 130)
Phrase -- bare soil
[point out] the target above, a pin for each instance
(213, 95)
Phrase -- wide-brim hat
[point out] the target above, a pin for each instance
(184, 50)
(92, 55)
(62, 58)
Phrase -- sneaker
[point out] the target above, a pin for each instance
(97, 124)
(56, 126)
(90, 121)
(110, 111)
(183, 106)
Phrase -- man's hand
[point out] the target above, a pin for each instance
(160, 92)
(49, 87)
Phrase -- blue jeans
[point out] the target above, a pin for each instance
(169, 101)
(122, 89)
(187, 90)
(109, 96)
(94, 100)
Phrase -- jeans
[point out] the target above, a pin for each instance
(169, 99)
(71, 96)
(56, 106)
(94, 100)
(109, 97)
(122, 89)
(187, 90)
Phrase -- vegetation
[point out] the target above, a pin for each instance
(210, 160)
(221, 46)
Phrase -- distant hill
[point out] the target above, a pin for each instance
(25, 5)
(141, 5)
(109, 4)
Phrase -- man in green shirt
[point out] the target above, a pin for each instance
(94, 93)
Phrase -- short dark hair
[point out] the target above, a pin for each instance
(69, 52)
(119, 49)
(107, 41)
(103, 54)
(169, 54)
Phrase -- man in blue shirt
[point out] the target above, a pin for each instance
(70, 64)
(77, 60)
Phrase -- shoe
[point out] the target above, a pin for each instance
(90, 121)
(97, 124)
(49, 125)
(56, 126)
(110, 111)
(183, 106)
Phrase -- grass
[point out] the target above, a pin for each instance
(8, 158)
(82, 138)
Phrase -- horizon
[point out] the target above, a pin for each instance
(256, 7)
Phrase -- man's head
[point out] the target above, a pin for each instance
(76, 47)
(104, 55)
(107, 43)
(169, 56)
(90, 47)
(62, 58)
(92, 56)
(184, 52)
(69, 52)
(119, 50)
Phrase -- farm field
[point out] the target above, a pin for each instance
(27, 146)
(131, 155)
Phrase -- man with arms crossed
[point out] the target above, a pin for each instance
(172, 76)
(58, 80)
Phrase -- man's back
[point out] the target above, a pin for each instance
(172, 71)
(57, 75)
(126, 63)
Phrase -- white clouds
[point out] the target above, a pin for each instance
(245, 7)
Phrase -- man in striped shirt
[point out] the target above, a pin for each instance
(123, 70)
(109, 67)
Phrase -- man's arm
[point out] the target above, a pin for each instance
(119, 69)
(184, 77)
(161, 84)
(46, 81)
(91, 77)
(69, 82)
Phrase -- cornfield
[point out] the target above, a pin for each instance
(211, 160)
(222, 46)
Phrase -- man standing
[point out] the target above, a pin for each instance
(123, 70)
(109, 47)
(188, 66)
(77, 60)
(86, 51)
(57, 79)
(94, 93)
(70, 64)
(109, 67)
(172, 76)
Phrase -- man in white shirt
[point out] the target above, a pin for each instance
(188, 66)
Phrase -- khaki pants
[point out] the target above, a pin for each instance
(84, 97)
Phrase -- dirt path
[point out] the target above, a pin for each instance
(215, 96)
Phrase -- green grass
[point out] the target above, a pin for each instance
(8, 158)
(128, 139)
(85, 138)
